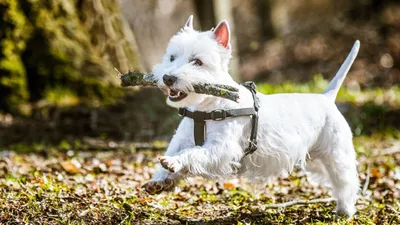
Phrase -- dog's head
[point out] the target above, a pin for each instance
(193, 57)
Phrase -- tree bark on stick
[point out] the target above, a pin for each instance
(135, 78)
(296, 202)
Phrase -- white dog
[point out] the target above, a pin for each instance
(293, 129)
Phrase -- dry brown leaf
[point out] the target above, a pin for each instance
(145, 200)
(180, 198)
(109, 163)
(376, 173)
(229, 186)
(70, 167)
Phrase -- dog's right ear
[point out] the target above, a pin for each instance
(222, 34)
(189, 23)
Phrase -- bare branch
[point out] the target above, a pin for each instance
(367, 176)
(217, 90)
(134, 78)
(227, 87)
(296, 202)
(389, 151)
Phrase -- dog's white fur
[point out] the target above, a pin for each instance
(305, 130)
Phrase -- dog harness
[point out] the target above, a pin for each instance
(199, 119)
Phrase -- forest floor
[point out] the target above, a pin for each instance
(62, 185)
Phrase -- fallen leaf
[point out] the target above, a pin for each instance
(376, 173)
(70, 166)
(229, 186)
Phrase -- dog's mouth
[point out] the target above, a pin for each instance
(175, 95)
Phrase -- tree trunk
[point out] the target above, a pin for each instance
(14, 32)
(155, 22)
(223, 11)
(65, 45)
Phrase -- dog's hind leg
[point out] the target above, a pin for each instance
(340, 163)
(316, 172)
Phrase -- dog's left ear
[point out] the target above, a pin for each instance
(189, 23)
(222, 34)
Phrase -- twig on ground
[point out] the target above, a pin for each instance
(391, 208)
(297, 202)
(367, 176)
(134, 78)
(390, 151)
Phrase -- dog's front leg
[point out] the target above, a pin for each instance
(218, 158)
(163, 179)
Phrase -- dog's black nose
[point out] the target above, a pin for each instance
(169, 80)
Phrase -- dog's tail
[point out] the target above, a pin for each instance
(334, 85)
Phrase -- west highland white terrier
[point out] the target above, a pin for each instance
(305, 130)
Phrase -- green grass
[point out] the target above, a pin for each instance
(356, 96)
(60, 97)
(368, 111)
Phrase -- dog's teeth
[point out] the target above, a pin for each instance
(176, 95)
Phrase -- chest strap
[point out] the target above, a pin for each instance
(199, 119)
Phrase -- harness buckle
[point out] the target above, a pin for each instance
(252, 88)
(252, 147)
(251, 85)
(218, 115)
(182, 112)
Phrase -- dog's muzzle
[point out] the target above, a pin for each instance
(169, 80)
(173, 94)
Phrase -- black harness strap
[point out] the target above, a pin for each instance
(199, 119)
(254, 119)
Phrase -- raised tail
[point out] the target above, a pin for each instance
(336, 83)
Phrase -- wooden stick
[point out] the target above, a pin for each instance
(367, 176)
(297, 202)
(217, 90)
(135, 78)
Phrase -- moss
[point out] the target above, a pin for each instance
(14, 32)
(64, 48)
(65, 44)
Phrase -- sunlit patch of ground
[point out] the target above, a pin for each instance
(104, 187)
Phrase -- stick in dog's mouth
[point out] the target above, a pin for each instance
(134, 78)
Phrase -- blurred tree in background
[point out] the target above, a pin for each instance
(297, 39)
(66, 45)
(281, 40)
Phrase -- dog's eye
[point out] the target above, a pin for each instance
(197, 62)
(171, 58)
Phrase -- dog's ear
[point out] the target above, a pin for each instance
(189, 23)
(222, 34)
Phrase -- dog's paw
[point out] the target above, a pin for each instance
(156, 187)
(170, 163)
(345, 214)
